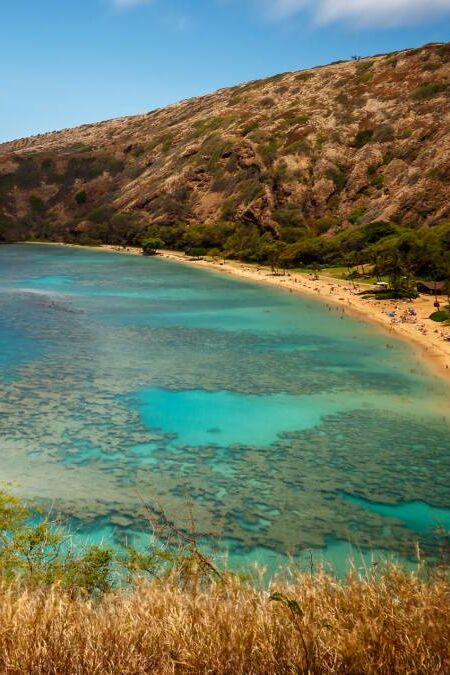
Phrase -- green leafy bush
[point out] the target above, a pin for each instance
(150, 245)
(81, 198)
(207, 125)
(250, 189)
(363, 137)
(216, 147)
(28, 174)
(36, 551)
(339, 176)
(251, 126)
(89, 168)
(363, 71)
(428, 90)
(197, 252)
(357, 214)
(269, 151)
(37, 205)
(289, 215)
(377, 181)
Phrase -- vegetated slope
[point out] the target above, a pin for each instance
(299, 157)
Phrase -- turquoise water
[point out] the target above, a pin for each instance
(291, 428)
(418, 516)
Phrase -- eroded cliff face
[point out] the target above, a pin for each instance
(333, 147)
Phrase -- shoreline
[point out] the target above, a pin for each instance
(425, 335)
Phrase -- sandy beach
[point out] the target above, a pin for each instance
(431, 339)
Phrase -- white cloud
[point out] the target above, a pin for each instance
(373, 12)
(385, 12)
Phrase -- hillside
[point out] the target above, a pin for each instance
(292, 158)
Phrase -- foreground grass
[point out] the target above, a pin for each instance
(392, 622)
(170, 609)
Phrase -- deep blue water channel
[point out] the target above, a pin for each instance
(290, 427)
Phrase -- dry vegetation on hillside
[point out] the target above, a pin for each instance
(298, 154)
(392, 623)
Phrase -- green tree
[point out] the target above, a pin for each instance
(36, 551)
(151, 245)
(197, 252)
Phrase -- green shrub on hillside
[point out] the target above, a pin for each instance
(373, 232)
(363, 72)
(357, 214)
(251, 126)
(325, 223)
(269, 151)
(37, 205)
(428, 90)
(28, 174)
(339, 176)
(388, 157)
(89, 168)
(250, 189)
(377, 181)
(210, 124)
(293, 119)
(363, 137)
(430, 67)
(216, 147)
(81, 198)
(365, 78)
(289, 215)
(292, 226)
(229, 208)
(441, 173)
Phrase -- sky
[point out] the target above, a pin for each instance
(68, 62)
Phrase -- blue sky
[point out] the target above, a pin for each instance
(67, 62)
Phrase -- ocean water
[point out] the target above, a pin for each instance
(285, 426)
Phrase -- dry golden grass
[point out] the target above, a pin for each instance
(392, 623)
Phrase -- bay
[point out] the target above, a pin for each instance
(283, 425)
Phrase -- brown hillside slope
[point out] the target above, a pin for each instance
(366, 140)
